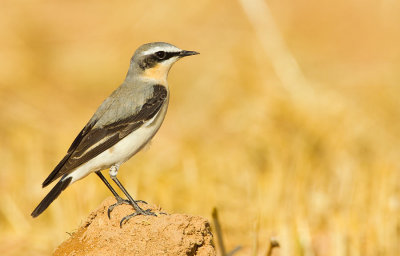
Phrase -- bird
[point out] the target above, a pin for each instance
(121, 126)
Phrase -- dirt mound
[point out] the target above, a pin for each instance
(175, 234)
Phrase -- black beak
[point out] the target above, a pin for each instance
(187, 53)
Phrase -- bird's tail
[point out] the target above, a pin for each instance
(51, 196)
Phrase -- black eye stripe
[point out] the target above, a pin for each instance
(161, 55)
(168, 55)
(149, 61)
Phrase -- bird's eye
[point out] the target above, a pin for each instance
(161, 55)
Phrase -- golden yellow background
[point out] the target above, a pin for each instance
(288, 121)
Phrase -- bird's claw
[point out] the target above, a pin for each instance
(141, 201)
(119, 202)
(147, 212)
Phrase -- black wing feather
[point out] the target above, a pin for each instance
(53, 175)
(78, 152)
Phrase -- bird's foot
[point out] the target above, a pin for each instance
(139, 211)
(119, 202)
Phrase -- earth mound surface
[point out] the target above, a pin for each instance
(166, 234)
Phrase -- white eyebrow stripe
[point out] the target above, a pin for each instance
(159, 48)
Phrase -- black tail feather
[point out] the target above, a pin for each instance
(51, 196)
(56, 172)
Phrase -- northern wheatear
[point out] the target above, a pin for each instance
(121, 126)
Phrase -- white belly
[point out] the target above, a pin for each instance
(123, 150)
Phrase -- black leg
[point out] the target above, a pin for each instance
(139, 211)
(134, 204)
(108, 184)
(119, 199)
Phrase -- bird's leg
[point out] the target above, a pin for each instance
(119, 199)
(109, 186)
(124, 201)
(139, 211)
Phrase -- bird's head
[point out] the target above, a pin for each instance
(154, 60)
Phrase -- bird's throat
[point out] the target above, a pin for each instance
(159, 72)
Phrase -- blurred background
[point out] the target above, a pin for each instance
(287, 122)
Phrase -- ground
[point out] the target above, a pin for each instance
(166, 234)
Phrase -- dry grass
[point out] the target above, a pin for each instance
(317, 168)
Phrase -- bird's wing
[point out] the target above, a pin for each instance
(90, 142)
